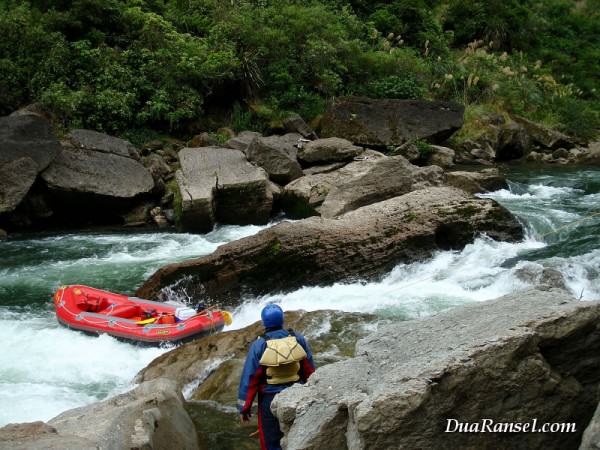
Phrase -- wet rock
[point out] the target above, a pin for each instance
(296, 124)
(541, 277)
(27, 147)
(370, 240)
(487, 180)
(391, 122)
(328, 150)
(441, 156)
(356, 184)
(151, 416)
(532, 354)
(219, 184)
(40, 436)
(277, 156)
(242, 140)
(545, 137)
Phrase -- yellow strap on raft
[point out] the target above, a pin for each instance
(147, 321)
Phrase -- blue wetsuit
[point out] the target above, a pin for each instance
(254, 381)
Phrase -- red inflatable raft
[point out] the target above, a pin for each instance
(132, 319)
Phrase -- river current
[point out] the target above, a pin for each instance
(47, 369)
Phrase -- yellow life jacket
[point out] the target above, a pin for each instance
(282, 358)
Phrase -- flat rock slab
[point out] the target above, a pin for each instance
(101, 142)
(529, 355)
(87, 171)
(27, 146)
(328, 150)
(370, 240)
(388, 122)
(219, 184)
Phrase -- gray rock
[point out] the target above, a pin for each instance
(356, 184)
(100, 142)
(151, 416)
(529, 355)
(277, 156)
(590, 155)
(242, 140)
(545, 137)
(391, 122)
(370, 241)
(328, 150)
(486, 153)
(219, 184)
(409, 151)
(296, 124)
(561, 153)
(441, 156)
(100, 172)
(591, 436)
(314, 170)
(203, 139)
(157, 167)
(27, 147)
(16, 178)
(487, 180)
(541, 277)
(40, 436)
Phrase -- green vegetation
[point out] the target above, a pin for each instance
(138, 67)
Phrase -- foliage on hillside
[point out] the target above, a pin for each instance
(180, 65)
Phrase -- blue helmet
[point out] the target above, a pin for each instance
(272, 316)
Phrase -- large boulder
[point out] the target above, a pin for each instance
(219, 184)
(328, 150)
(296, 124)
(27, 147)
(441, 156)
(151, 416)
(370, 180)
(486, 180)
(370, 240)
(545, 137)
(277, 155)
(527, 359)
(391, 122)
(589, 155)
(242, 140)
(92, 163)
(591, 436)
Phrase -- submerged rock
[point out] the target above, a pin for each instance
(219, 184)
(529, 355)
(369, 241)
(391, 122)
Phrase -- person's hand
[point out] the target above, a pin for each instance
(245, 417)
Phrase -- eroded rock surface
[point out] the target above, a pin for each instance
(532, 354)
(369, 241)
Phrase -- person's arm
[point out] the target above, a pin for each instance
(252, 376)
(307, 365)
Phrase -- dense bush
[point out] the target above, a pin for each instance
(136, 67)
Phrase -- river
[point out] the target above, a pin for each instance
(47, 369)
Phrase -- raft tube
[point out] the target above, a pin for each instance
(144, 322)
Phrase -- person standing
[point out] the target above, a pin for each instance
(276, 360)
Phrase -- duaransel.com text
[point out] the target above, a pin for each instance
(491, 426)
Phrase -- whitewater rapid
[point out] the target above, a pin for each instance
(47, 369)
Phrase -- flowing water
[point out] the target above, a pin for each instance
(47, 369)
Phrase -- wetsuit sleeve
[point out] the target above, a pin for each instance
(307, 365)
(252, 376)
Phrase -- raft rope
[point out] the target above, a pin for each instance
(540, 237)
